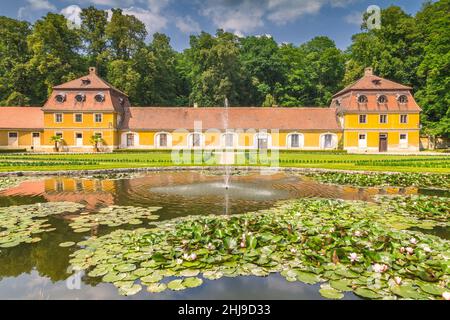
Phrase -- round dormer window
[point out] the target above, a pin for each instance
(362, 99)
(60, 97)
(80, 97)
(403, 99)
(99, 97)
(382, 99)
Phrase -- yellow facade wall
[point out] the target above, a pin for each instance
(68, 121)
(351, 121)
(69, 140)
(25, 138)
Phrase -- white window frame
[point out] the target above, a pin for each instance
(75, 117)
(362, 143)
(365, 118)
(190, 140)
(56, 117)
(223, 138)
(257, 136)
(157, 140)
(32, 139)
(379, 118)
(95, 117)
(404, 144)
(334, 141)
(400, 120)
(301, 140)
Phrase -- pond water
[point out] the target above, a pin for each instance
(40, 270)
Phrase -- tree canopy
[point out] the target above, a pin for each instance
(252, 70)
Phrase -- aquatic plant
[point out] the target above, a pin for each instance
(382, 179)
(113, 216)
(331, 242)
(22, 224)
(10, 182)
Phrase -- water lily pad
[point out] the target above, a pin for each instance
(131, 290)
(67, 244)
(156, 287)
(367, 293)
(192, 282)
(126, 267)
(307, 277)
(342, 285)
(155, 277)
(176, 285)
(331, 293)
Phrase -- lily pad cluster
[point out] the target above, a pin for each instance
(307, 240)
(382, 179)
(113, 216)
(418, 206)
(10, 182)
(23, 224)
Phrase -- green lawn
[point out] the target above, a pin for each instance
(43, 162)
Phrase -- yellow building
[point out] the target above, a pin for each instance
(372, 115)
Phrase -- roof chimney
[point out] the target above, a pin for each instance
(368, 71)
(92, 70)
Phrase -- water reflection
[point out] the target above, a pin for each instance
(39, 270)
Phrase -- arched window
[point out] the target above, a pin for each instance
(295, 140)
(382, 99)
(362, 99)
(403, 99)
(228, 140)
(163, 140)
(195, 140)
(328, 141)
(262, 140)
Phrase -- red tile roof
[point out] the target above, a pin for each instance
(373, 82)
(160, 118)
(21, 118)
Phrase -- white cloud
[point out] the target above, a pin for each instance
(187, 25)
(153, 21)
(72, 13)
(112, 3)
(355, 18)
(157, 5)
(34, 7)
(248, 15)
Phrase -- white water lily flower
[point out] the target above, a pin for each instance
(446, 295)
(398, 280)
(210, 246)
(179, 261)
(379, 268)
(353, 257)
(242, 244)
(293, 250)
(427, 249)
(402, 249)
(185, 256)
(409, 250)
(193, 256)
(185, 242)
(413, 240)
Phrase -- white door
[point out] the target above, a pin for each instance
(403, 140)
(13, 139)
(79, 139)
(362, 141)
(36, 139)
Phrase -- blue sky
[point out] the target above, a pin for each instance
(294, 21)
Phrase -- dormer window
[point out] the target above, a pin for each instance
(60, 98)
(99, 97)
(376, 82)
(402, 99)
(362, 99)
(337, 102)
(85, 82)
(382, 99)
(121, 100)
(80, 97)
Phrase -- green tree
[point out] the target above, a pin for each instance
(262, 63)
(93, 34)
(55, 54)
(126, 35)
(215, 69)
(434, 70)
(15, 86)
